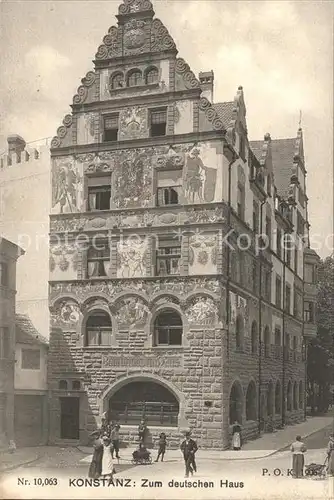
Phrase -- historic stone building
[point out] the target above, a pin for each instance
(9, 254)
(164, 302)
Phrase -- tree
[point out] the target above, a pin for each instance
(320, 361)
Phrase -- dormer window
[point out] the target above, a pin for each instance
(117, 81)
(151, 76)
(135, 78)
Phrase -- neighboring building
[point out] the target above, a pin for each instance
(152, 313)
(9, 253)
(30, 384)
(24, 219)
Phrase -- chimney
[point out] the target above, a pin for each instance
(206, 80)
(16, 145)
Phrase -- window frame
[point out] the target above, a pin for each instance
(167, 329)
(154, 112)
(147, 75)
(24, 352)
(130, 74)
(167, 257)
(106, 117)
(98, 258)
(177, 189)
(98, 329)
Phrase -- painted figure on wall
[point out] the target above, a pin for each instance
(131, 255)
(132, 183)
(65, 181)
(203, 311)
(199, 181)
(203, 254)
(132, 312)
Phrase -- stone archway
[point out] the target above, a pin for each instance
(170, 395)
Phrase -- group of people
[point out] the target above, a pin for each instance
(298, 450)
(106, 445)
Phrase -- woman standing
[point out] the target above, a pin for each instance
(95, 467)
(107, 461)
(298, 449)
(330, 454)
(236, 436)
(162, 447)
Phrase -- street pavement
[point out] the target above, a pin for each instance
(260, 479)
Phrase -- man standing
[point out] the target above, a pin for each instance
(189, 448)
(114, 435)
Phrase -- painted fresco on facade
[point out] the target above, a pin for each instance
(66, 186)
(63, 262)
(131, 255)
(132, 180)
(86, 128)
(132, 312)
(200, 175)
(133, 123)
(203, 250)
(203, 311)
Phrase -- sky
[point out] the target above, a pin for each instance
(280, 52)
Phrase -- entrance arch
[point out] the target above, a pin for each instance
(236, 403)
(134, 397)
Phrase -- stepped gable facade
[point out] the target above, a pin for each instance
(152, 313)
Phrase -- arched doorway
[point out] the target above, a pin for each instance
(236, 403)
(270, 399)
(289, 396)
(295, 396)
(239, 333)
(278, 398)
(144, 400)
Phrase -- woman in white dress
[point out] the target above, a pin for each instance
(107, 461)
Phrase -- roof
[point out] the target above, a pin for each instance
(225, 111)
(256, 147)
(25, 331)
(283, 151)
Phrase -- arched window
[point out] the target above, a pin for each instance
(295, 396)
(278, 398)
(270, 399)
(239, 333)
(289, 396)
(236, 403)
(98, 329)
(117, 81)
(277, 342)
(267, 342)
(251, 402)
(63, 385)
(76, 385)
(152, 75)
(254, 338)
(301, 395)
(168, 328)
(134, 78)
(144, 400)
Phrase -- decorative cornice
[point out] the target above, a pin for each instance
(61, 132)
(134, 6)
(82, 91)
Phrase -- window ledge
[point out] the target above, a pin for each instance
(168, 347)
(134, 88)
(150, 426)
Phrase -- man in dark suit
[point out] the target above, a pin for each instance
(189, 448)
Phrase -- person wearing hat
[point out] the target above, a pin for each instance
(189, 448)
(114, 436)
(95, 468)
(162, 447)
(330, 455)
(107, 461)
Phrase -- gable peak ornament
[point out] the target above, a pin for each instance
(135, 6)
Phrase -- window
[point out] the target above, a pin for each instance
(279, 243)
(63, 385)
(254, 275)
(168, 328)
(3, 274)
(158, 120)
(110, 128)
(134, 78)
(288, 298)
(98, 329)
(278, 398)
(99, 193)
(76, 385)
(278, 292)
(98, 259)
(309, 273)
(152, 75)
(300, 224)
(4, 343)
(236, 403)
(31, 359)
(277, 342)
(168, 257)
(168, 195)
(267, 284)
(268, 229)
(255, 217)
(117, 81)
(239, 333)
(241, 201)
(254, 338)
(289, 396)
(296, 259)
(267, 342)
(308, 312)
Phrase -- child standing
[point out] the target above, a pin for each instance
(162, 447)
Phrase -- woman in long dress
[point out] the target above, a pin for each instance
(330, 454)
(95, 467)
(298, 449)
(236, 436)
(107, 461)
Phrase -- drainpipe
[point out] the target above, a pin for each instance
(283, 341)
(260, 321)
